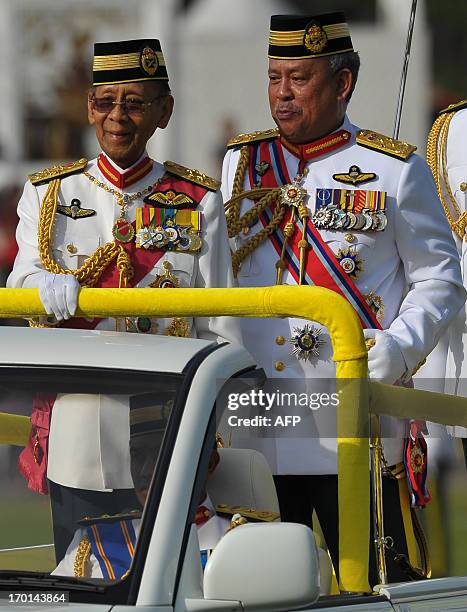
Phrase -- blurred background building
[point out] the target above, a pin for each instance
(216, 53)
(216, 56)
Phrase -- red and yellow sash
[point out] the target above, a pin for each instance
(142, 260)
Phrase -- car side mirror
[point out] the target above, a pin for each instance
(270, 567)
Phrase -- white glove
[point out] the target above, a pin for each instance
(58, 294)
(385, 360)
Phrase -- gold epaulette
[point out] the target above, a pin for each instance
(244, 139)
(108, 518)
(46, 175)
(452, 108)
(384, 144)
(250, 513)
(194, 176)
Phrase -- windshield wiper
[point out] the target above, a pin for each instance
(35, 580)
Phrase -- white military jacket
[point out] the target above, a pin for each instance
(209, 534)
(89, 461)
(411, 267)
(454, 150)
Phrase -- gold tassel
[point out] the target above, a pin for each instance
(303, 243)
(288, 233)
(83, 555)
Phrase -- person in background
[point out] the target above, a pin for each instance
(447, 157)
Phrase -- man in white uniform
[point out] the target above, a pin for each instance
(104, 546)
(374, 233)
(447, 156)
(121, 220)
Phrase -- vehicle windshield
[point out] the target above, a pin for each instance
(106, 430)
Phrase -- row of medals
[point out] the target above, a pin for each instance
(331, 217)
(170, 236)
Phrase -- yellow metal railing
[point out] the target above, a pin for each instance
(356, 400)
(14, 429)
(312, 303)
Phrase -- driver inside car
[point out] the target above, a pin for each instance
(103, 547)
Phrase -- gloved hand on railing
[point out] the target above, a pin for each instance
(58, 294)
(385, 360)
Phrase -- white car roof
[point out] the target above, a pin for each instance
(92, 348)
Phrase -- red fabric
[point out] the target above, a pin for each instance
(33, 459)
(142, 260)
(203, 514)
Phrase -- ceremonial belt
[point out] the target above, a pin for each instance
(113, 545)
(322, 268)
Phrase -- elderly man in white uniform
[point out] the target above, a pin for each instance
(121, 220)
(447, 156)
(374, 232)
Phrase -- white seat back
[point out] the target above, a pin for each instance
(243, 478)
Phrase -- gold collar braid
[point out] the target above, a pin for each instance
(90, 272)
(236, 224)
(436, 158)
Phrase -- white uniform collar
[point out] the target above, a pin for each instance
(121, 178)
(124, 170)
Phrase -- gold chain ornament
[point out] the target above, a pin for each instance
(122, 230)
(264, 197)
(236, 224)
(436, 158)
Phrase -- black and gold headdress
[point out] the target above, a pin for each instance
(149, 412)
(302, 36)
(127, 61)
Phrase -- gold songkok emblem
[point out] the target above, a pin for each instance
(149, 61)
(315, 38)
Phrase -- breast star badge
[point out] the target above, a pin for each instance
(306, 342)
(350, 262)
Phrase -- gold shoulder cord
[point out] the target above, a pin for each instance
(90, 272)
(236, 224)
(82, 557)
(436, 158)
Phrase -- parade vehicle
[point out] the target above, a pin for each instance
(261, 565)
